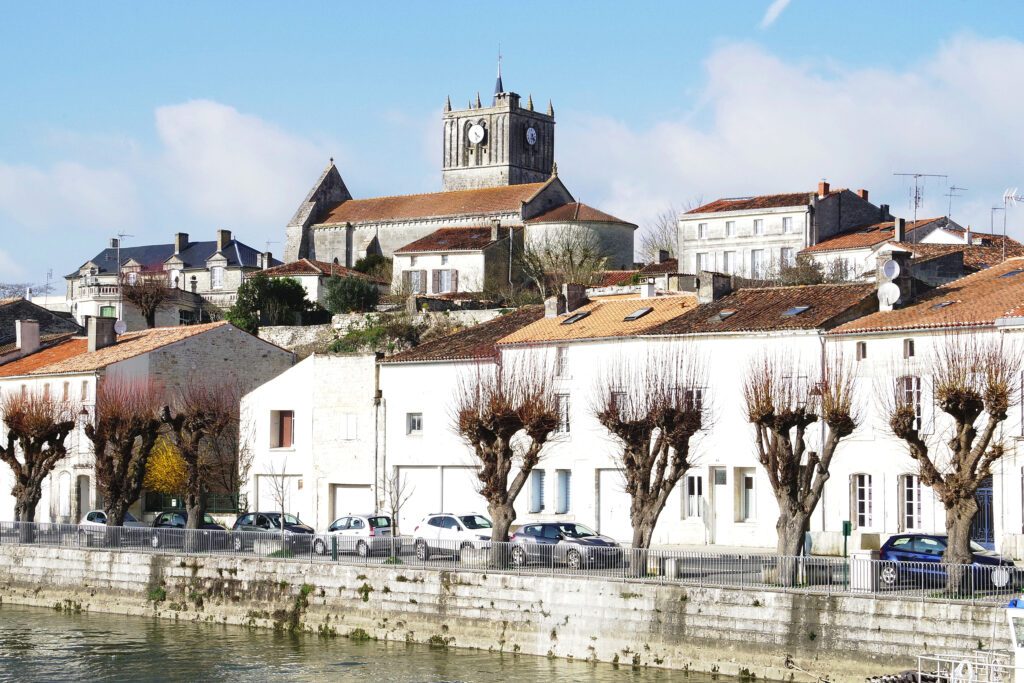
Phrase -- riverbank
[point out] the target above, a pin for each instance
(720, 630)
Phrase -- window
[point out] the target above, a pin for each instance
(730, 228)
(860, 497)
(444, 281)
(217, 277)
(758, 226)
(702, 261)
(908, 348)
(66, 395)
(619, 400)
(563, 414)
(414, 423)
(787, 224)
(417, 281)
(537, 491)
(910, 502)
(702, 231)
(745, 481)
(788, 257)
(909, 388)
(24, 390)
(187, 317)
(282, 425)
(108, 312)
(862, 350)
(693, 398)
(562, 361)
(575, 317)
(412, 260)
(85, 390)
(444, 259)
(795, 311)
(46, 392)
(349, 425)
(564, 502)
(694, 494)
(637, 314)
(729, 262)
(174, 278)
(132, 277)
(757, 263)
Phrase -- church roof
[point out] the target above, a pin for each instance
(450, 239)
(482, 201)
(576, 211)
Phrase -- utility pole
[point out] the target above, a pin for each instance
(918, 194)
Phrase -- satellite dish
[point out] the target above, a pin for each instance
(120, 327)
(888, 293)
(890, 269)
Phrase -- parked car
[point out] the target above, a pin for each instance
(917, 559)
(93, 527)
(170, 529)
(449, 533)
(362, 534)
(98, 518)
(271, 522)
(568, 543)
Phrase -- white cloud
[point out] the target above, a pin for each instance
(773, 12)
(767, 125)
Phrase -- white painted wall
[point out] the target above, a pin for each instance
(717, 243)
(469, 264)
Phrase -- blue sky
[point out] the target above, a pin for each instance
(150, 118)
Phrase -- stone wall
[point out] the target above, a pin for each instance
(683, 627)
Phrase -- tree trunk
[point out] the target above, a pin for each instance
(150, 318)
(115, 512)
(959, 517)
(25, 512)
(502, 515)
(195, 506)
(643, 530)
(791, 529)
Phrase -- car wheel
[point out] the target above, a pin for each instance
(1000, 577)
(155, 541)
(237, 543)
(574, 559)
(518, 557)
(888, 575)
(319, 547)
(422, 551)
(362, 549)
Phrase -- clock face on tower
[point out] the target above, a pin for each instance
(477, 134)
(531, 135)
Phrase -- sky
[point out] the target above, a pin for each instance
(146, 119)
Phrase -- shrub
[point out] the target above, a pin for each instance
(351, 294)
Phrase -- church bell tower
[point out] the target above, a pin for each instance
(503, 144)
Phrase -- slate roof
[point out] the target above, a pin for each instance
(762, 309)
(475, 343)
(73, 355)
(195, 255)
(865, 236)
(482, 201)
(576, 212)
(978, 300)
(51, 325)
(306, 266)
(607, 318)
(450, 239)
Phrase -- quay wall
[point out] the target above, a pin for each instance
(725, 630)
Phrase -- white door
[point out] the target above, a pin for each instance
(459, 491)
(351, 499)
(721, 505)
(613, 506)
(423, 487)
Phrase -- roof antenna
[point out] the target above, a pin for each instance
(954, 191)
(918, 196)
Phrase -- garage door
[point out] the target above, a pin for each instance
(613, 506)
(271, 488)
(423, 487)
(349, 499)
(459, 490)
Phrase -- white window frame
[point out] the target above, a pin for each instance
(910, 392)
(757, 263)
(537, 491)
(861, 501)
(349, 427)
(563, 492)
(702, 261)
(787, 256)
(758, 226)
(416, 282)
(702, 231)
(729, 262)
(217, 277)
(693, 496)
(562, 361)
(911, 506)
(444, 281)
(787, 225)
(444, 259)
(564, 414)
(730, 228)
(413, 424)
(747, 497)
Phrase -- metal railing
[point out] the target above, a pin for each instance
(216, 503)
(918, 581)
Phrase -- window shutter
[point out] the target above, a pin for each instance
(564, 491)
(407, 281)
(537, 491)
(435, 281)
(455, 280)
(423, 282)
(287, 429)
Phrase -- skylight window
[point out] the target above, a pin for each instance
(796, 310)
(726, 313)
(636, 315)
(575, 317)
(1011, 273)
(942, 304)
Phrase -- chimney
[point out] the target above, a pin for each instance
(863, 194)
(967, 235)
(268, 258)
(575, 296)
(554, 306)
(883, 212)
(223, 239)
(26, 335)
(887, 300)
(899, 231)
(648, 290)
(114, 243)
(663, 255)
(712, 286)
(100, 332)
(495, 229)
(180, 242)
(822, 189)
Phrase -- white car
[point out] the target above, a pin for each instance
(98, 518)
(362, 534)
(449, 533)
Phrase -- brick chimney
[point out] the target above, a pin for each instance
(900, 229)
(863, 194)
(223, 239)
(822, 189)
(26, 335)
(100, 332)
(180, 242)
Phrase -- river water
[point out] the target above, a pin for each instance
(46, 645)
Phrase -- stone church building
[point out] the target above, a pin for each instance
(498, 172)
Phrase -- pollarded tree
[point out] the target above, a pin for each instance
(506, 414)
(653, 407)
(123, 436)
(147, 292)
(37, 427)
(571, 254)
(975, 382)
(782, 400)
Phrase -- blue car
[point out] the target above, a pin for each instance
(917, 559)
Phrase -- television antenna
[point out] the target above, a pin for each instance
(954, 191)
(918, 196)
(1011, 196)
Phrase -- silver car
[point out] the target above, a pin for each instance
(363, 534)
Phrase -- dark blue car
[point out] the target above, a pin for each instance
(917, 559)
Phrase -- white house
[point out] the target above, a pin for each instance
(452, 260)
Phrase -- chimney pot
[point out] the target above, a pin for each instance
(822, 189)
(663, 255)
(114, 242)
(900, 229)
(863, 194)
(100, 332)
(223, 239)
(268, 258)
(649, 289)
(26, 333)
(180, 242)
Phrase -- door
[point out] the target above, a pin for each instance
(982, 528)
(721, 505)
(613, 505)
(350, 499)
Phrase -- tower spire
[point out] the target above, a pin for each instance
(448, 104)
(551, 109)
(498, 87)
(529, 102)
(478, 105)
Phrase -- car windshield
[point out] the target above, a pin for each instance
(575, 531)
(475, 522)
(207, 519)
(275, 518)
(377, 522)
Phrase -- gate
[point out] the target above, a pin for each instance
(982, 530)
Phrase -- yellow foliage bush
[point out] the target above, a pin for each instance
(165, 471)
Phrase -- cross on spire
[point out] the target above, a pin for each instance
(498, 87)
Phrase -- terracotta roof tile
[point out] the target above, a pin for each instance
(976, 256)
(605, 319)
(576, 211)
(978, 301)
(768, 201)
(613, 278)
(73, 355)
(667, 266)
(450, 239)
(306, 266)
(476, 343)
(763, 309)
(482, 201)
(864, 236)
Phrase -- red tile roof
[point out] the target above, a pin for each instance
(483, 201)
(576, 211)
(865, 236)
(667, 266)
(762, 309)
(307, 266)
(976, 256)
(476, 343)
(613, 278)
(450, 239)
(978, 301)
